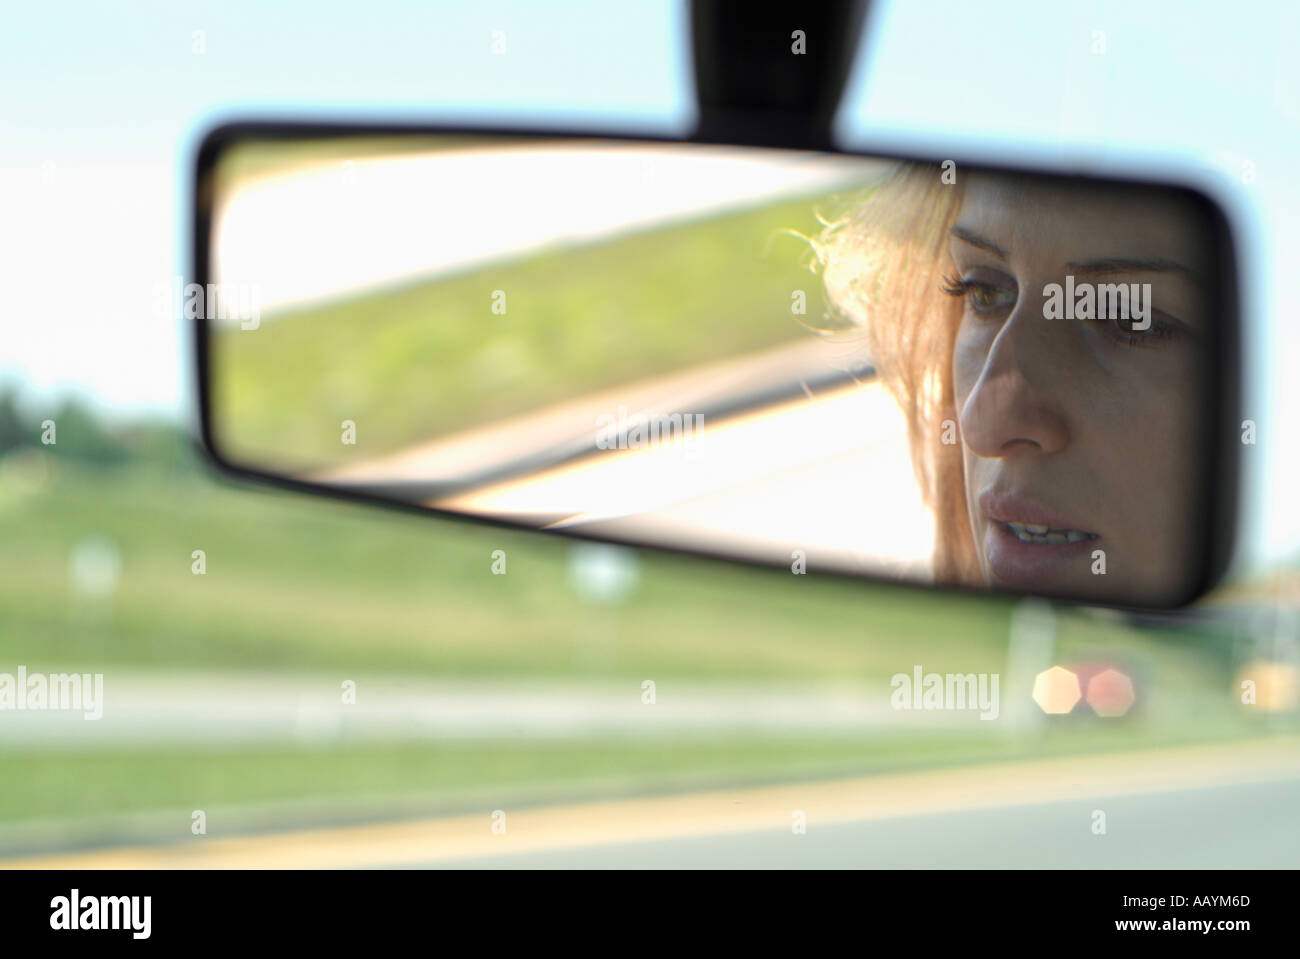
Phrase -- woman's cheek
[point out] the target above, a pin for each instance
(969, 355)
(1149, 438)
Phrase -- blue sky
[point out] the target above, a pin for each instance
(101, 105)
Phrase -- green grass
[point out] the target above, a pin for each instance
(303, 583)
(295, 583)
(283, 786)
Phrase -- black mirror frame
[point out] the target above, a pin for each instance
(1223, 398)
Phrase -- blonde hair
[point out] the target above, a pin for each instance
(882, 260)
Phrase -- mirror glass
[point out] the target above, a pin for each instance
(896, 369)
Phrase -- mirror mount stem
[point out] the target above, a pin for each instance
(772, 74)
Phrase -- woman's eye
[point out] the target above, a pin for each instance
(984, 299)
(1161, 326)
(990, 299)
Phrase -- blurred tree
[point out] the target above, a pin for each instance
(83, 436)
(12, 426)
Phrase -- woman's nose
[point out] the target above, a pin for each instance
(1016, 406)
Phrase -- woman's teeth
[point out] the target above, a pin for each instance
(1046, 535)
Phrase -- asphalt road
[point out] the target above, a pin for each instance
(1229, 805)
(1250, 826)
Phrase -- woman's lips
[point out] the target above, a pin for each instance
(1031, 546)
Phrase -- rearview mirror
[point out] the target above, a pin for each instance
(900, 369)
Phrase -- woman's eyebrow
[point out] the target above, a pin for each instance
(1119, 264)
(974, 239)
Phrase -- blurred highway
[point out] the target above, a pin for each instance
(1249, 826)
(1229, 806)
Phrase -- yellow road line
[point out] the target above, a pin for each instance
(530, 830)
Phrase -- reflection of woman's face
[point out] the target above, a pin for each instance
(1079, 435)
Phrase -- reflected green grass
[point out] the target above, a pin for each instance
(432, 357)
